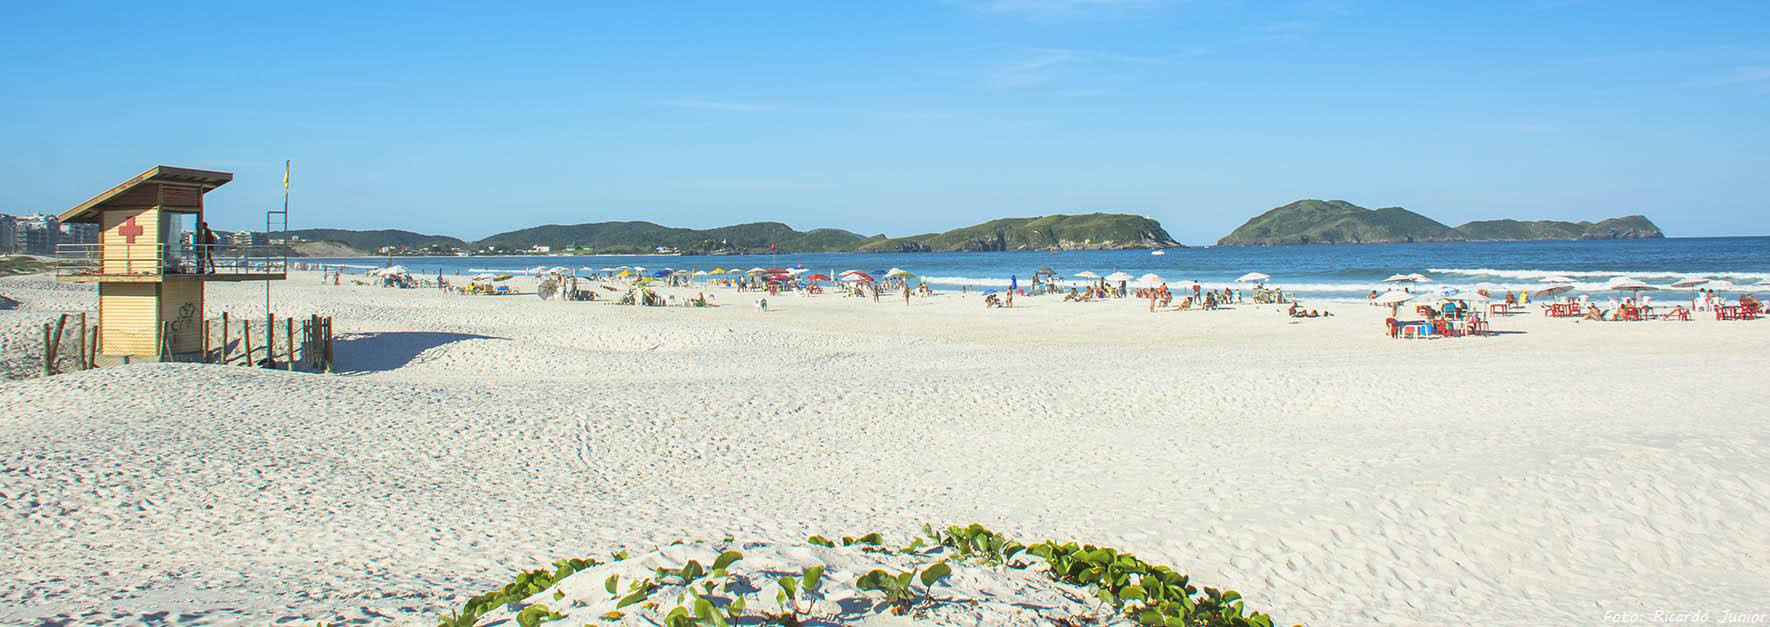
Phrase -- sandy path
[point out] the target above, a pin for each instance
(1329, 474)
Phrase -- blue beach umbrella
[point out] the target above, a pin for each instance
(1013, 282)
(661, 273)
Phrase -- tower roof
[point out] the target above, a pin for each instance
(136, 192)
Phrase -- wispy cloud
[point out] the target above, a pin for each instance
(718, 105)
(1291, 29)
(1745, 75)
(1037, 66)
(1064, 8)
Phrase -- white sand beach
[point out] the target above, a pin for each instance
(1555, 474)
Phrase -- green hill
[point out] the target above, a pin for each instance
(1337, 222)
(372, 241)
(644, 237)
(1627, 227)
(1057, 232)
(1340, 222)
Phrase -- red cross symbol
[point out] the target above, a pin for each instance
(130, 229)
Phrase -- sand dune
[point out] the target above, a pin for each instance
(1331, 475)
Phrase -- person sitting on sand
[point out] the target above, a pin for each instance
(990, 301)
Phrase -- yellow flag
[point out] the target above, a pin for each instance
(285, 176)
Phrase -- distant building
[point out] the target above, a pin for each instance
(6, 234)
(248, 238)
(78, 233)
(541, 249)
(36, 234)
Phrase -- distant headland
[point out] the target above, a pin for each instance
(1094, 231)
(1313, 221)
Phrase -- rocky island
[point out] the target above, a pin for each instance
(1313, 221)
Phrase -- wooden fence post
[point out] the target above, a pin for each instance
(48, 359)
(82, 359)
(289, 341)
(328, 352)
(270, 340)
(55, 341)
(246, 339)
(224, 353)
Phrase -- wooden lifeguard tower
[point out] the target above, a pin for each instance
(150, 278)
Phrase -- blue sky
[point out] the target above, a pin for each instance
(898, 117)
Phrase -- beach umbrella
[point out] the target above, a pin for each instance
(1253, 277)
(1723, 285)
(699, 273)
(797, 271)
(1118, 276)
(1086, 275)
(1556, 279)
(482, 277)
(1394, 297)
(856, 275)
(639, 268)
(757, 271)
(1690, 281)
(607, 270)
(625, 275)
(501, 277)
(1013, 282)
(879, 272)
(1400, 278)
(898, 273)
(817, 277)
(1551, 291)
(1150, 280)
(661, 273)
(1627, 284)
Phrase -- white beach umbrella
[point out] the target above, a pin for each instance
(1254, 277)
(757, 271)
(1721, 285)
(1690, 281)
(797, 271)
(1150, 280)
(1394, 297)
(898, 273)
(1118, 276)
(609, 270)
(1086, 275)
(1400, 278)
(483, 277)
(1626, 284)
(700, 273)
(1420, 278)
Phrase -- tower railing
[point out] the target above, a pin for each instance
(157, 259)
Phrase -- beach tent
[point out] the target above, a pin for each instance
(1254, 277)
(1086, 275)
(1117, 277)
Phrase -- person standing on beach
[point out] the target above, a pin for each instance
(906, 293)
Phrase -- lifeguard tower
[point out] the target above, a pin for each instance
(150, 276)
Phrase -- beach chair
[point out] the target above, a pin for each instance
(1390, 326)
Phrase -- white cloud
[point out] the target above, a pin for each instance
(1285, 30)
(1059, 8)
(718, 105)
(1748, 74)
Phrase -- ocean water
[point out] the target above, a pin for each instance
(1337, 271)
